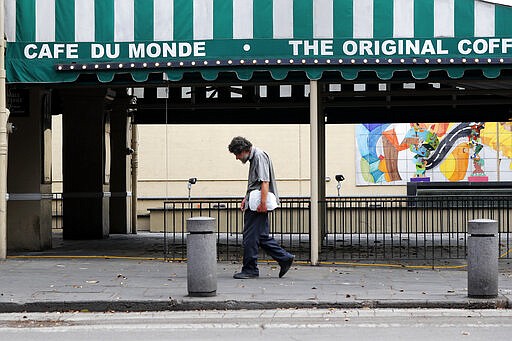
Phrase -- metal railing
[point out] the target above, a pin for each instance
(357, 228)
(289, 225)
(410, 228)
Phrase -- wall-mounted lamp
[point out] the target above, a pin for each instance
(339, 178)
(191, 182)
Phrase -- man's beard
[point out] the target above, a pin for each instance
(244, 159)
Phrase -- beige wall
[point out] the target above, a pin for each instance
(201, 151)
(169, 155)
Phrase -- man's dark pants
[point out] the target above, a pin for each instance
(256, 234)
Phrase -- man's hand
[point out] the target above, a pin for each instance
(242, 205)
(262, 207)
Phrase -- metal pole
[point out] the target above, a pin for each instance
(498, 160)
(135, 166)
(4, 116)
(483, 254)
(201, 257)
(314, 210)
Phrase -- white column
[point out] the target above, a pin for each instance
(4, 116)
(315, 162)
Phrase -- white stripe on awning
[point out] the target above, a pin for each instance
(363, 19)
(484, 19)
(444, 18)
(163, 20)
(242, 19)
(10, 20)
(84, 20)
(203, 19)
(323, 19)
(282, 19)
(403, 18)
(124, 20)
(45, 20)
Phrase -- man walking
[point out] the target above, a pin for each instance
(256, 227)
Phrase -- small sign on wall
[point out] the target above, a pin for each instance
(18, 102)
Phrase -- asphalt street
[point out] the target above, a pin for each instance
(282, 324)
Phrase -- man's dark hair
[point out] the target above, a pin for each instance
(239, 144)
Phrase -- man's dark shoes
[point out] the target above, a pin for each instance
(285, 266)
(244, 275)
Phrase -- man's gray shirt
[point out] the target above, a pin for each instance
(261, 170)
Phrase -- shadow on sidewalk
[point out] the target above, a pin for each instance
(150, 245)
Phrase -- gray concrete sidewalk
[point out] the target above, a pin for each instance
(135, 285)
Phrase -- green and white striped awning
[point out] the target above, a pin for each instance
(56, 40)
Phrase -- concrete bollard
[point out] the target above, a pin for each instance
(201, 257)
(483, 252)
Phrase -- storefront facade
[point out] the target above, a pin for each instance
(77, 58)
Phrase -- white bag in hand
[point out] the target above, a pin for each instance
(255, 200)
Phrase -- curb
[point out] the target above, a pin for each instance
(174, 305)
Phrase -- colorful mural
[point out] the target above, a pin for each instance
(395, 153)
